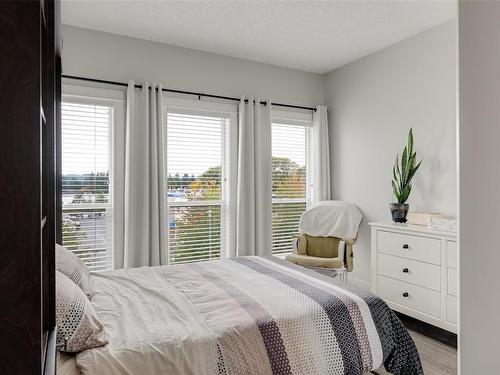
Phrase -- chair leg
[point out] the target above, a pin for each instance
(343, 275)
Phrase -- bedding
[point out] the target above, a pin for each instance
(66, 364)
(78, 327)
(73, 267)
(246, 315)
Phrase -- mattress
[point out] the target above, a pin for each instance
(246, 315)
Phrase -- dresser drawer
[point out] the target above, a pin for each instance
(411, 271)
(451, 309)
(452, 282)
(408, 246)
(417, 298)
(451, 254)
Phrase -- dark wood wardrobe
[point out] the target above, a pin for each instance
(30, 92)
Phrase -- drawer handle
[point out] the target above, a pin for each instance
(405, 270)
(405, 246)
(405, 294)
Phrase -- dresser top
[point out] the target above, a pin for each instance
(412, 228)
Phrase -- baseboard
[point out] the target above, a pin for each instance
(361, 284)
(428, 330)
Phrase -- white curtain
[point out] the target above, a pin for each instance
(321, 156)
(254, 184)
(145, 242)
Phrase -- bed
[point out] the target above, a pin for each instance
(245, 315)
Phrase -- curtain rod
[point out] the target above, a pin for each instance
(198, 94)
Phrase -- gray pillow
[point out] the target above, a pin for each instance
(73, 267)
(76, 319)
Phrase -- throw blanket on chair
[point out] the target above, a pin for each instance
(331, 219)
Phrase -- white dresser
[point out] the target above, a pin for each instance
(414, 269)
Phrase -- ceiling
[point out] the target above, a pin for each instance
(315, 36)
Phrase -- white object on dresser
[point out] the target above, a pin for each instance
(449, 225)
(421, 218)
(415, 270)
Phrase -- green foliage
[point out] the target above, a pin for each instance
(403, 173)
(197, 232)
(72, 235)
(282, 168)
(285, 220)
(289, 179)
(87, 188)
(209, 184)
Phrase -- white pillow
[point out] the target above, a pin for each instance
(73, 267)
(76, 318)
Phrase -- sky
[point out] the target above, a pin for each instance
(86, 134)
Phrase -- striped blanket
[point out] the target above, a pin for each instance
(246, 315)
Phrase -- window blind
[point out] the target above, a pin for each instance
(86, 157)
(290, 160)
(196, 184)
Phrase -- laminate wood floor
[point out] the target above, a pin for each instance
(437, 358)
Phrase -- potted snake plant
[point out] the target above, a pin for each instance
(402, 173)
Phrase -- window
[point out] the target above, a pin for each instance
(290, 180)
(198, 164)
(86, 129)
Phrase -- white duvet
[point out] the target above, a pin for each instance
(240, 316)
(148, 327)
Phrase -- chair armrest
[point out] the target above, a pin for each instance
(348, 255)
(295, 243)
(300, 244)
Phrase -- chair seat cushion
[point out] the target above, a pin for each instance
(321, 247)
(310, 261)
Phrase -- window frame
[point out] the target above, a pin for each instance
(229, 161)
(116, 100)
(302, 119)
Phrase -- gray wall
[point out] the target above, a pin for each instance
(113, 57)
(479, 88)
(372, 103)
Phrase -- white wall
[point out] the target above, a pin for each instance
(479, 129)
(372, 104)
(113, 57)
